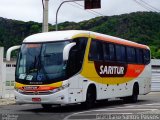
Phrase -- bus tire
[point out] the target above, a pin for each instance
(104, 101)
(134, 97)
(90, 97)
(46, 106)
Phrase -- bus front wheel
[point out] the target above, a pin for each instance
(90, 97)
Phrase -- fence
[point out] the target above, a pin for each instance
(155, 86)
(7, 76)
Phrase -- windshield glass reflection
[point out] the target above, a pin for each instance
(41, 62)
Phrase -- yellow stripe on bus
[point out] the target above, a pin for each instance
(89, 72)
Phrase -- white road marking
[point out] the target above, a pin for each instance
(84, 113)
(134, 106)
(125, 108)
(153, 93)
(99, 113)
(157, 104)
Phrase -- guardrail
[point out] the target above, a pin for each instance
(155, 86)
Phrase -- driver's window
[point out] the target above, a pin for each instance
(76, 56)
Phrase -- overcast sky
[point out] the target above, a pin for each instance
(31, 10)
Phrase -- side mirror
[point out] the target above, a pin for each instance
(8, 54)
(66, 50)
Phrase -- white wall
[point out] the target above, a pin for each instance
(9, 73)
(7, 76)
(1, 71)
(155, 75)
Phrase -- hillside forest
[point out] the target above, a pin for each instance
(141, 27)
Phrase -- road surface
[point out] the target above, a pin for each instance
(148, 105)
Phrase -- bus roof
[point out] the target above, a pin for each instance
(70, 34)
(54, 36)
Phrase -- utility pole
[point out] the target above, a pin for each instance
(60, 7)
(89, 4)
(45, 16)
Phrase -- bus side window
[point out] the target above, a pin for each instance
(139, 54)
(120, 53)
(123, 52)
(112, 52)
(96, 51)
(93, 51)
(106, 51)
(146, 56)
(131, 55)
(76, 56)
(100, 50)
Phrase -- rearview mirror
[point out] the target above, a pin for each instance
(66, 50)
(8, 54)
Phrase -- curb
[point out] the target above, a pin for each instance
(7, 101)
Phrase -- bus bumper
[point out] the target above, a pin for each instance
(60, 97)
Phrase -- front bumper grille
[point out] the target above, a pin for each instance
(37, 93)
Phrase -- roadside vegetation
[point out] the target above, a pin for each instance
(141, 27)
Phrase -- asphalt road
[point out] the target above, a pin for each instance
(147, 108)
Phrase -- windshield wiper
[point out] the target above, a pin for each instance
(33, 66)
(40, 66)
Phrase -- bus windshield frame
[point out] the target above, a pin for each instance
(41, 63)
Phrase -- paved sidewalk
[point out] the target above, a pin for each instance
(6, 101)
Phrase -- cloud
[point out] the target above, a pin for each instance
(31, 10)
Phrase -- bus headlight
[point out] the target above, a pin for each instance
(60, 88)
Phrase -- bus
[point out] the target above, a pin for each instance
(76, 66)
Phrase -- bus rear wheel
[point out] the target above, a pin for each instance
(134, 97)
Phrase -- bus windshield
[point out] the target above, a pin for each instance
(41, 63)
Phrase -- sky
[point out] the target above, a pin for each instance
(32, 10)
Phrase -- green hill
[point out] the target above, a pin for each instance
(141, 27)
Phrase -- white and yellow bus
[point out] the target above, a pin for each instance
(74, 66)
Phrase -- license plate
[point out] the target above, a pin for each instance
(36, 99)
